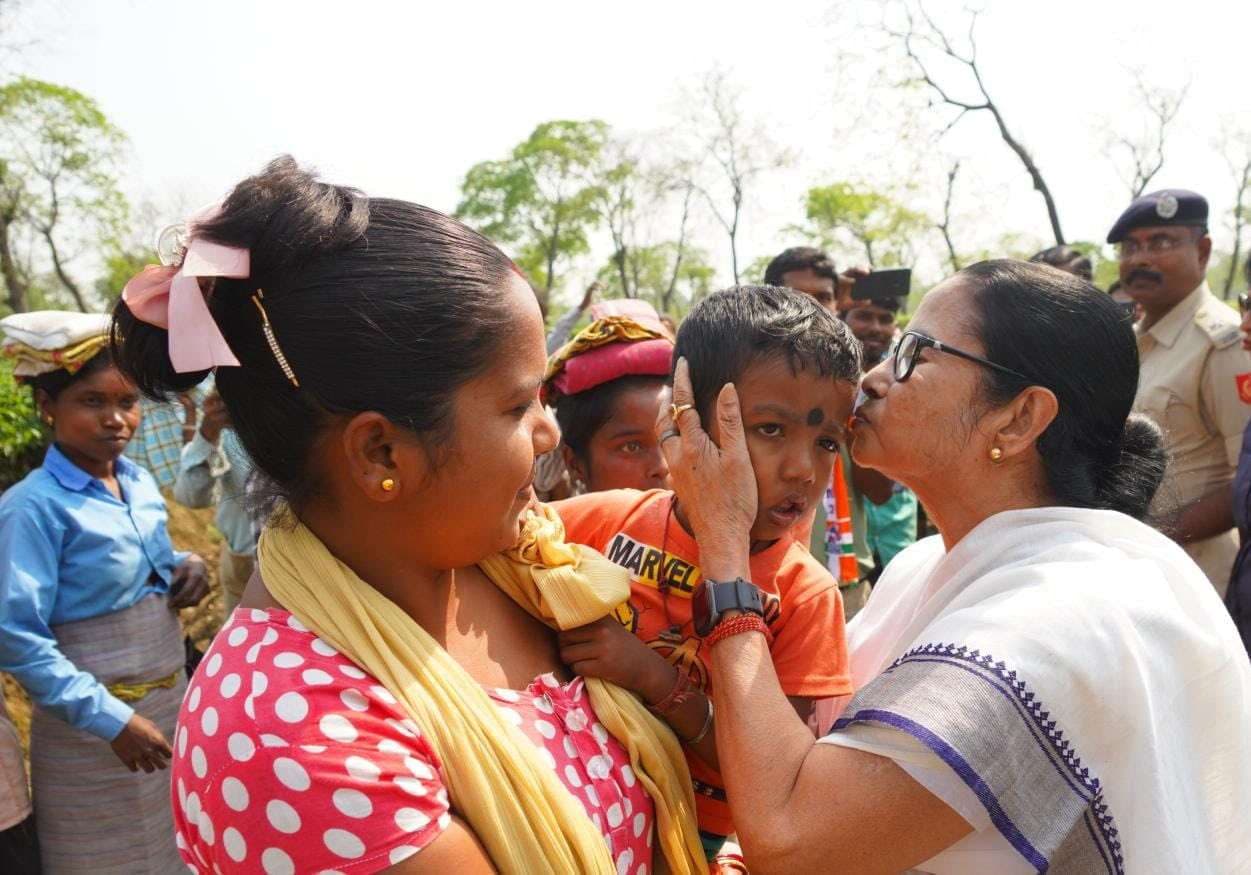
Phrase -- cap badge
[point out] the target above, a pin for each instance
(1166, 206)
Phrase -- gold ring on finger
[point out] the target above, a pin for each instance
(677, 410)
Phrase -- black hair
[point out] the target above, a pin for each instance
(376, 304)
(731, 330)
(580, 416)
(55, 382)
(1067, 259)
(799, 258)
(1063, 333)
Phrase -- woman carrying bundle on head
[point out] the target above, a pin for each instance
(88, 602)
(607, 386)
(389, 694)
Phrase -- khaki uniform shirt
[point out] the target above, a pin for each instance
(1194, 377)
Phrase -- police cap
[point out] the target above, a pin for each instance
(1170, 206)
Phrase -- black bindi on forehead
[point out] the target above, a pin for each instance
(816, 416)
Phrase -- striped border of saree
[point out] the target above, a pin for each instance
(982, 720)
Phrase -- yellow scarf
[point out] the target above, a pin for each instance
(527, 820)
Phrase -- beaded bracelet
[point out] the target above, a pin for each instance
(738, 626)
(677, 697)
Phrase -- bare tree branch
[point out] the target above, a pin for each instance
(680, 254)
(927, 32)
(945, 225)
(739, 155)
(1145, 152)
(1237, 151)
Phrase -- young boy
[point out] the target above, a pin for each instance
(796, 368)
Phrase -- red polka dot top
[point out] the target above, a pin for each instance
(289, 758)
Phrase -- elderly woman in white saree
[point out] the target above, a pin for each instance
(1050, 684)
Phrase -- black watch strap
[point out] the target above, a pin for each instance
(715, 599)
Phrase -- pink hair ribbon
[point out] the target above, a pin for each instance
(169, 296)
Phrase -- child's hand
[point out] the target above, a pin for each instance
(605, 649)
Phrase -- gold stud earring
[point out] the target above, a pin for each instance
(996, 454)
(388, 485)
(50, 421)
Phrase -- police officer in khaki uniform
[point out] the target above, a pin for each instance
(1195, 375)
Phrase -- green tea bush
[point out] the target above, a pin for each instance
(22, 438)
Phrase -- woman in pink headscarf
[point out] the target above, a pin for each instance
(607, 386)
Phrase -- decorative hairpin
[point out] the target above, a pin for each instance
(273, 341)
(171, 244)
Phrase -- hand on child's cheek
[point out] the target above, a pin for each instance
(605, 649)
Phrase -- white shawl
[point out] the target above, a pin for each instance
(1077, 671)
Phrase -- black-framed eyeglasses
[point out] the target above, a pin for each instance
(908, 348)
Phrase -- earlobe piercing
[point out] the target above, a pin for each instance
(388, 485)
(996, 454)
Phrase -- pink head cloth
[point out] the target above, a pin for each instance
(169, 297)
(644, 358)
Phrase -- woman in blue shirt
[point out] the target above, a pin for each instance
(87, 615)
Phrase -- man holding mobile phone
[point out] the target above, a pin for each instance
(871, 308)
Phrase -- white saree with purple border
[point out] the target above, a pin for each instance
(1070, 683)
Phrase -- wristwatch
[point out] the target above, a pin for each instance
(715, 598)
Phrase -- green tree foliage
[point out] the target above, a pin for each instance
(854, 219)
(754, 273)
(543, 199)
(22, 439)
(1010, 245)
(120, 264)
(656, 274)
(666, 271)
(1224, 272)
(618, 195)
(59, 157)
(1103, 259)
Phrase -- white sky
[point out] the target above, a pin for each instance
(401, 98)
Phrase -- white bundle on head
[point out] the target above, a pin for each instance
(47, 340)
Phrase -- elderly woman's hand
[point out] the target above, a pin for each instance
(716, 485)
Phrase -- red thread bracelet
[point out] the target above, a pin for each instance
(738, 626)
(680, 693)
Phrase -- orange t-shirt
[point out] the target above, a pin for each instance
(802, 607)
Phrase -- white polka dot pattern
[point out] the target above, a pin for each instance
(328, 773)
(318, 776)
(559, 722)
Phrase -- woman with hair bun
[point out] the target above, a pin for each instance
(1047, 685)
(389, 694)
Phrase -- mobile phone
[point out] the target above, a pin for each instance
(893, 283)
